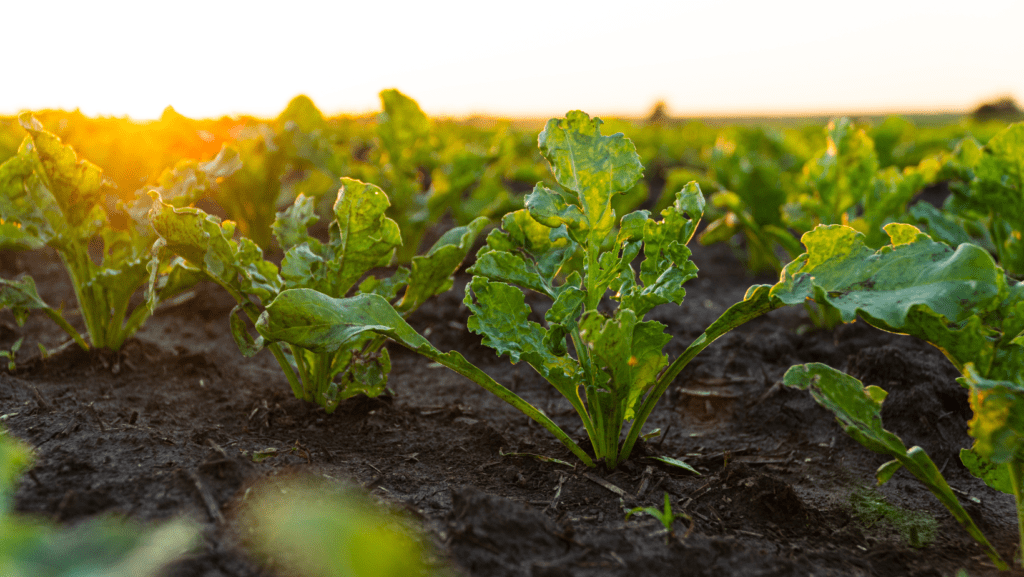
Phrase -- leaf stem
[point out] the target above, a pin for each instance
(750, 308)
(275, 349)
(70, 330)
(457, 363)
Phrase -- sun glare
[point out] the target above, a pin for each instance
(460, 58)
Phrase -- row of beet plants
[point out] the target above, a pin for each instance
(48, 196)
(326, 320)
(569, 245)
(770, 189)
(429, 170)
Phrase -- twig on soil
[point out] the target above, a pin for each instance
(204, 494)
(664, 436)
(749, 533)
(220, 450)
(96, 415)
(707, 394)
(558, 494)
(40, 400)
(775, 388)
(645, 480)
(605, 484)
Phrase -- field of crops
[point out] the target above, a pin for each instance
(398, 345)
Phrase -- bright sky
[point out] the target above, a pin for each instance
(528, 58)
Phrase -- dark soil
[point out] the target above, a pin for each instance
(169, 426)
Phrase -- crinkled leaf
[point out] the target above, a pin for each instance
(310, 319)
(365, 375)
(510, 268)
(667, 264)
(291, 224)
(628, 350)
(995, 475)
(78, 186)
(916, 286)
(567, 307)
(499, 314)
(206, 243)
(25, 202)
(550, 209)
(188, 181)
(361, 237)
(592, 166)
(245, 341)
(387, 287)
(526, 253)
(998, 422)
(432, 273)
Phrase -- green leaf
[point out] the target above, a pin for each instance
(15, 458)
(432, 273)
(364, 375)
(206, 243)
(550, 209)
(246, 343)
(499, 314)
(916, 286)
(676, 463)
(593, 167)
(666, 264)
(303, 113)
(526, 253)
(291, 224)
(940, 225)
(998, 422)
(388, 287)
(628, 350)
(567, 306)
(994, 474)
(362, 237)
(311, 528)
(78, 186)
(858, 411)
(887, 470)
(20, 297)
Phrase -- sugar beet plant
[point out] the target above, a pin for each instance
(567, 245)
(958, 300)
(360, 238)
(55, 199)
(986, 206)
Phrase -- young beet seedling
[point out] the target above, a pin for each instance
(360, 238)
(564, 245)
(665, 516)
(57, 200)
